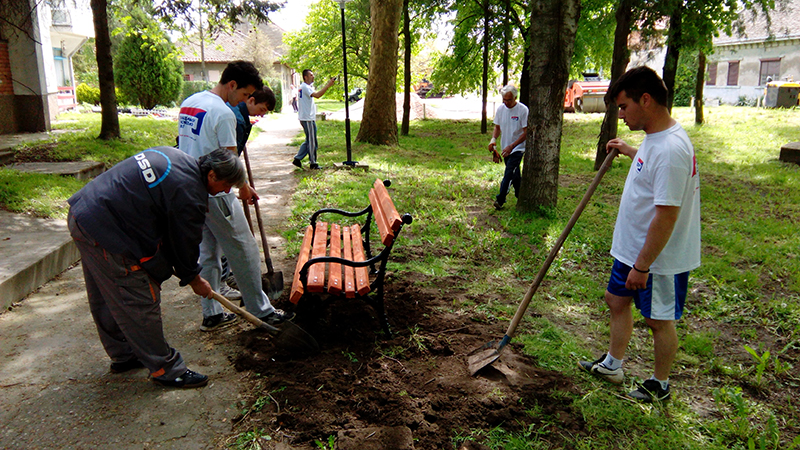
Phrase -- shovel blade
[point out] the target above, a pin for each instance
(272, 284)
(291, 336)
(481, 359)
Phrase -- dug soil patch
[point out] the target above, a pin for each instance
(417, 379)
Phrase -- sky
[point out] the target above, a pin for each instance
(292, 16)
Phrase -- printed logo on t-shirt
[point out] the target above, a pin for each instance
(639, 164)
(191, 118)
(300, 93)
(515, 118)
(694, 165)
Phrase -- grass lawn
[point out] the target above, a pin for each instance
(734, 381)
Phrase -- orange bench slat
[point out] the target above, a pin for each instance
(335, 269)
(316, 273)
(305, 251)
(389, 210)
(362, 273)
(349, 274)
(387, 234)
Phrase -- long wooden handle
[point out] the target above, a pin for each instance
(267, 259)
(512, 327)
(247, 316)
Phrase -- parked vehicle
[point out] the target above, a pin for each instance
(587, 95)
(354, 95)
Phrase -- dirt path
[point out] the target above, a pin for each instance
(55, 387)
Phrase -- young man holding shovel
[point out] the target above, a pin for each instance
(205, 124)
(657, 234)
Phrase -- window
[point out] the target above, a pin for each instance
(733, 73)
(770, 68)
(711, 80)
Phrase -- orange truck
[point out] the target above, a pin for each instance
(587, 95)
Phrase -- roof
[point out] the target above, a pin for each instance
(234, 46)
(785, 25)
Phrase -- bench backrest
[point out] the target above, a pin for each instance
(386, 216)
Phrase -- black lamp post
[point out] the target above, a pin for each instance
(349, 161)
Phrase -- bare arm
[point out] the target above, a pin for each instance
(324, 89)
(495, 135)
(247, 193)
(201, 287)
(658, 235)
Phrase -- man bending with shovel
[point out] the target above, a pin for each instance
(657, 233)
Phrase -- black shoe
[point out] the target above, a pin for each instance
(277, 317)
(218, 322)
(497, 205)
(188, 380)
(597, 368)
(314, 166)
(650, 391)
(297, 163)
(122, 367)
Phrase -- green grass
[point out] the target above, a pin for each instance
(748, 287)
(328, 105)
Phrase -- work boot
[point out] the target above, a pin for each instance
(188, 380)
(650, 391)
(297, 163)
(125, 366)
(597, 368)
(277, 317)
(218, 321)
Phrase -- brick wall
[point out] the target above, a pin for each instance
(6, 88)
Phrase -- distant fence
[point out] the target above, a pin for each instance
(66, 98)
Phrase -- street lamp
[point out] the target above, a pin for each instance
(349, 161)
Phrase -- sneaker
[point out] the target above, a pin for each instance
(598, 369)
(122, 367)
(297, 163)
(189, 379)
(650, 391)
(229, 292)
(218, 322)
(314, 166)
(497, 205)
(277, 317)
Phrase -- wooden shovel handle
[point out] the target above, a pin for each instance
(267, 259)
(242, 313)
(512, 327)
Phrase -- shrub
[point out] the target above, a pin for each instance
(193, 87)
(88, 94)
(275, 85)
(147, 70)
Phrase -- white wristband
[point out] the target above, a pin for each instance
(493, 141)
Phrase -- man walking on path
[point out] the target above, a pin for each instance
(307, 113)
(206, 123)
(135, 225)
(510, 120)
(657, 234)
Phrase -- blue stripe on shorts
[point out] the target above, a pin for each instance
(663, 299)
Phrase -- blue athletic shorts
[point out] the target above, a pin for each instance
(663, 299)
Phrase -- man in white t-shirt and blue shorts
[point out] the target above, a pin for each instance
(511, 123)
(657, 233)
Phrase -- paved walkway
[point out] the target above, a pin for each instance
(55, 389)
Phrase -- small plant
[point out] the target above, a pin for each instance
(350, 356)
(762, 361)
(417, 340)
(329, 445)
(250, 440)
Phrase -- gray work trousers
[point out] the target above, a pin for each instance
(226, 231)
(126, 307)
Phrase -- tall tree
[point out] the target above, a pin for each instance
(109, 120)
(379, 122)
(674, 45)
(698, 90)
(551, 42)
(406, 69)
(619, 62)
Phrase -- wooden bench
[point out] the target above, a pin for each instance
(338, 260)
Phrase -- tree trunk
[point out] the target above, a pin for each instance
(673, 52)
(379, 123)
(406, 69)
(109, 127)
(552, 43)
(485, 75)
(525, 76)
(698, 88)
(506, 40)
(619, 62)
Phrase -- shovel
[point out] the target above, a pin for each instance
(490, 352)
(272, 280)
(289, 335)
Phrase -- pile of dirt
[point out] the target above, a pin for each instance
(417, 379)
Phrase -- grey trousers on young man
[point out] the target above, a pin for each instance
(226, 231)
(126, 307)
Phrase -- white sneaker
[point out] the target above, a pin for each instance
(229, 292)
(597, 368)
